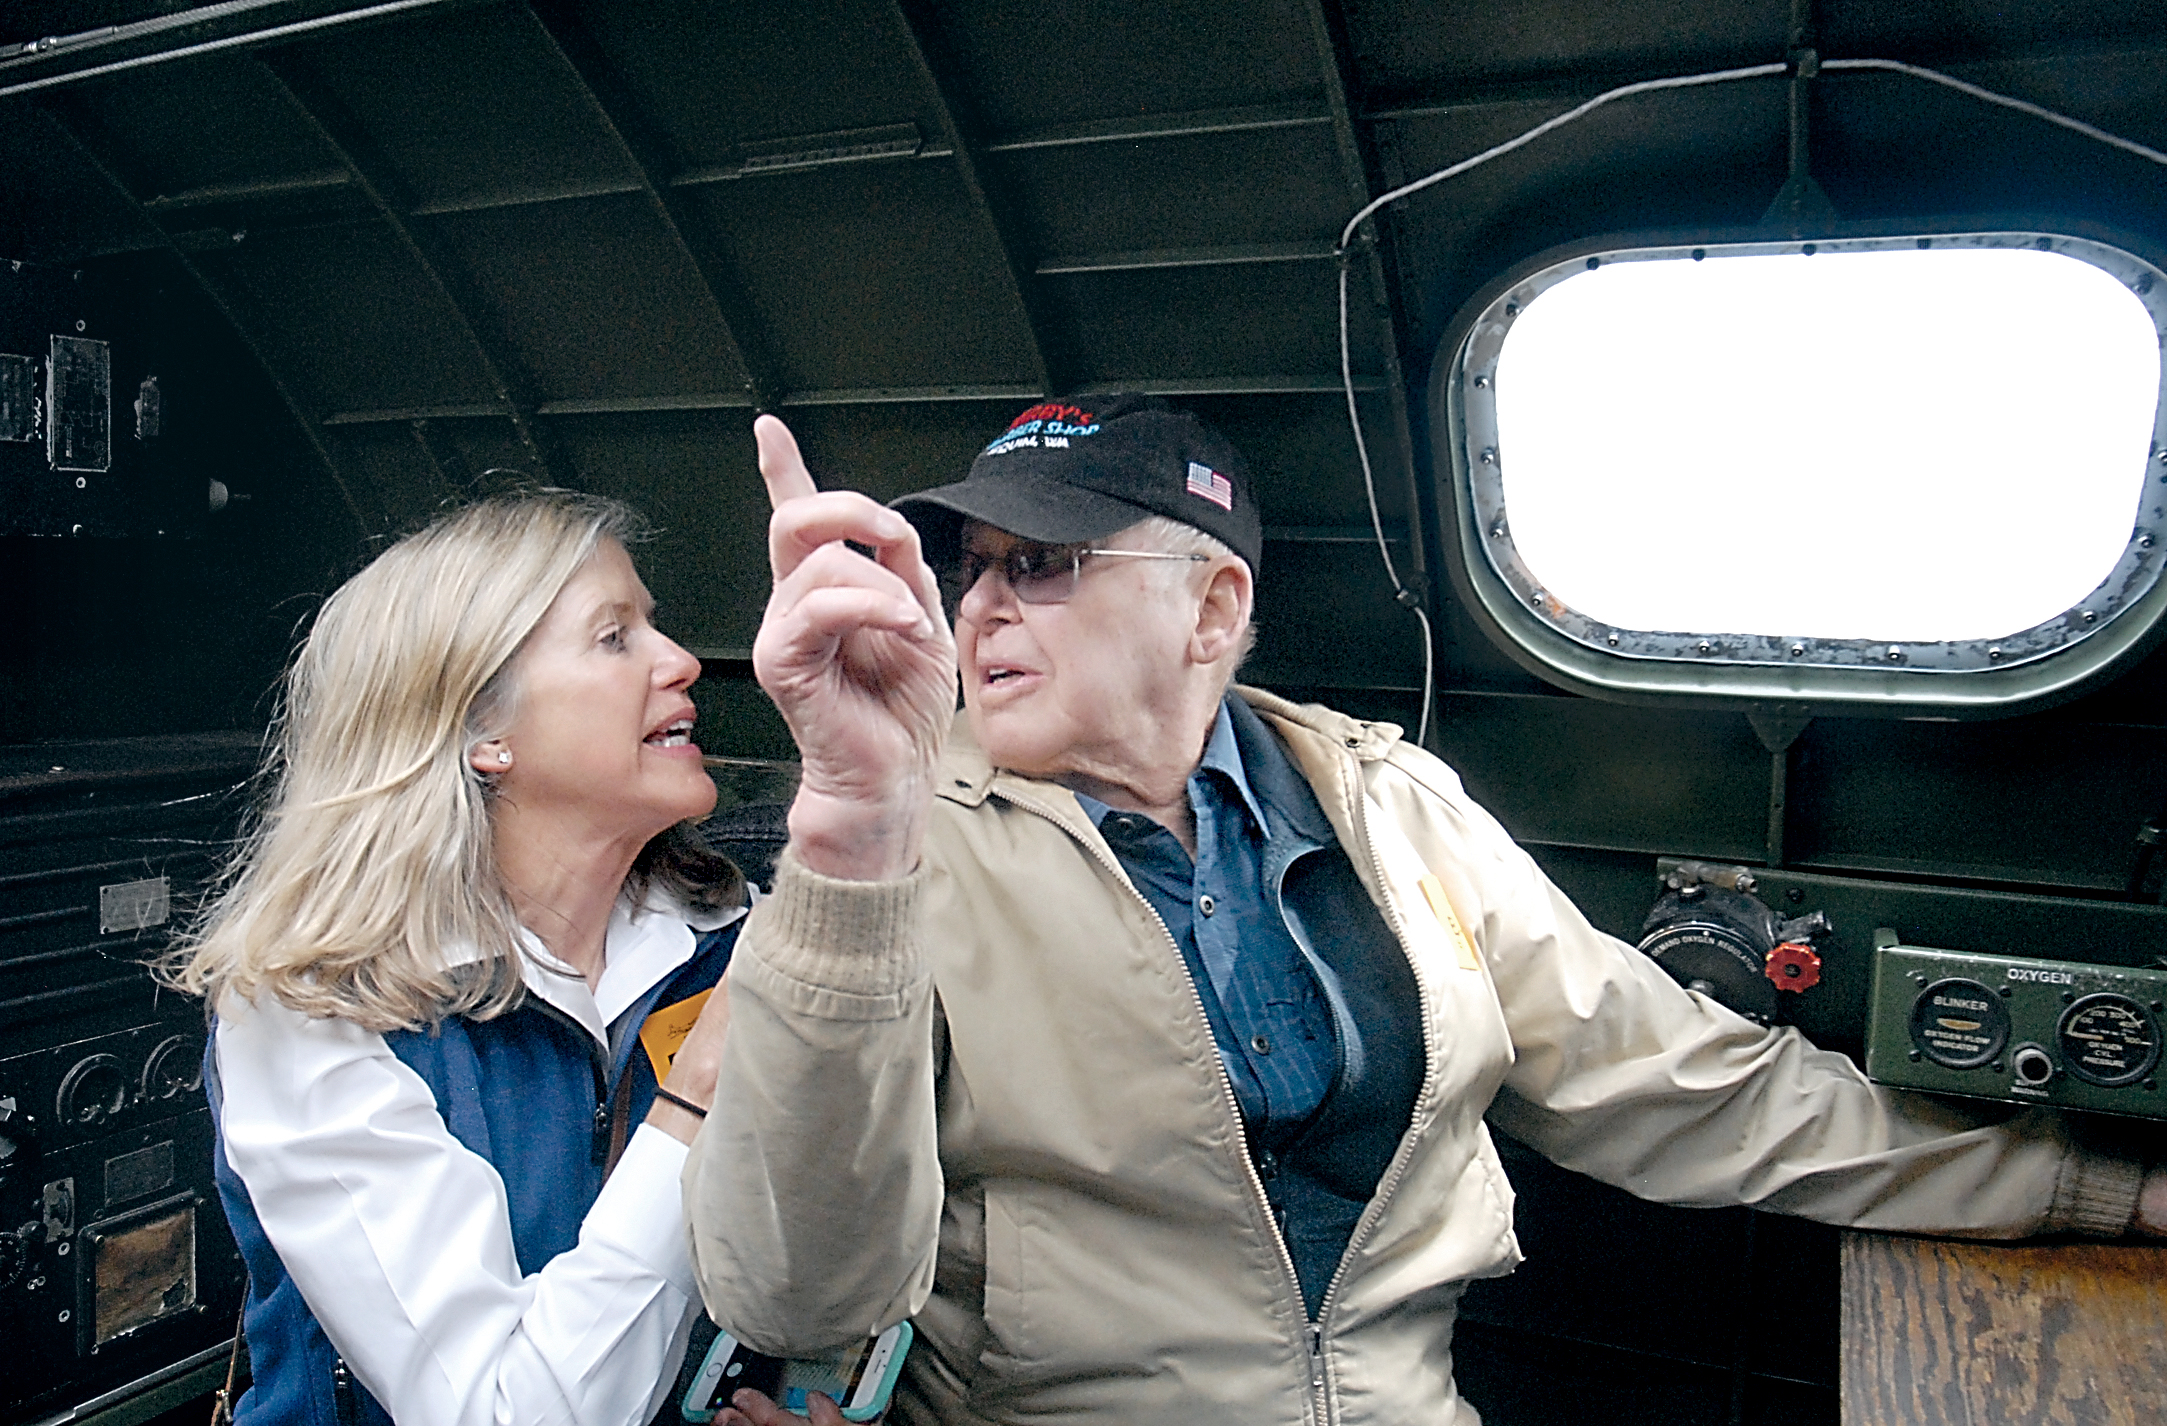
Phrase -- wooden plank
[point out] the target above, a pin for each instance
(1964, 1334)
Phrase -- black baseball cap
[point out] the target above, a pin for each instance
(1068, 472)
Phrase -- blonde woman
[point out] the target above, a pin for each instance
(442, 1145)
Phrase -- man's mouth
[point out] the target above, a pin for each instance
(1001, 673)
(671, 735)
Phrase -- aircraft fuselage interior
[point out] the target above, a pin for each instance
(1727, 432)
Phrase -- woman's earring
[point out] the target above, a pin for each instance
(504, 757)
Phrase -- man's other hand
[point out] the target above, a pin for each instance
(857, 655)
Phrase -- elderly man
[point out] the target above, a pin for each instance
(1140, 1045)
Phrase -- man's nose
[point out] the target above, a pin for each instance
(990, 597)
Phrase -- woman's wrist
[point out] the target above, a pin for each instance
(680, 1124)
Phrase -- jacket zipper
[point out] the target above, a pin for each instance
(1312, 1332)
(1397, 1169)
(598, 1065)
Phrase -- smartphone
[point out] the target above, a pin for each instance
(860, 1379)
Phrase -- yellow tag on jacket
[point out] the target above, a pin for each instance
(664, 1031)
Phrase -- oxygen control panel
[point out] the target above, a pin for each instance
(2068, 1033)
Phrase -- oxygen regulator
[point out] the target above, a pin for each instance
(1715, 936)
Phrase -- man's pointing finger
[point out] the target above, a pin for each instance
(780, 464)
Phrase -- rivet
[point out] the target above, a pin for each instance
(82, 483)
(1354, 742)
(1612, 640)
(1594, 263)
(1926, 242)
(1896, 654)
(2144, 542)
(1489, 455)
(1482, 381)
(1512, 309)
(1699, 253)
(1994, 654)
(1497, 530)
(1535, 599)
(78, 324)
(2088, 616)
(2043, 243)
(1808, 250)
(65, 1314)
(1798, 650)
(1914, 1056)
(1705, 647)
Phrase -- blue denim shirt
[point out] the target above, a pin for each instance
(1268, 1014)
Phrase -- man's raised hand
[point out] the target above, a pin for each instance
(858, 656)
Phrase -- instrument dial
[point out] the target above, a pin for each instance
(1959, 1024)
(2108, 1039)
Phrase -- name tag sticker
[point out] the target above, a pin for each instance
(663, 1033)
(1433, 891)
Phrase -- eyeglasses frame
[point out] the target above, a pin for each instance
(1075, 575)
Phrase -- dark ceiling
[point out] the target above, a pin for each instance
(579, 241)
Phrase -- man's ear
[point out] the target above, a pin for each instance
(1222, 615)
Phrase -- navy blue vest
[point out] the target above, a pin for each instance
(529, 1091)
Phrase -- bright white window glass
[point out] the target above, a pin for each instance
(1911, 446)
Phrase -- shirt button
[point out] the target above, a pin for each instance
(1262, 1044)
(1206, 905)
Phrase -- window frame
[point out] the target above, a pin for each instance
(2048, 663)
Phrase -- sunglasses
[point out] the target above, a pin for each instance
(1038, 574)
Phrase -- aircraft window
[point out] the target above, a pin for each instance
(1917, 470)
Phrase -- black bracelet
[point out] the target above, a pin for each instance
(680, 1101)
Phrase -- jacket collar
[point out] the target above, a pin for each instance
(642, 945)
(968, 777)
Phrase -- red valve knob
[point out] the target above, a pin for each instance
(1794, 966)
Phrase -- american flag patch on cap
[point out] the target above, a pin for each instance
(1216, 488)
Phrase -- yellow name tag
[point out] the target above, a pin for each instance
(1433, 891)
(663, 1033)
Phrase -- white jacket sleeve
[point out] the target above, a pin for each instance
(400, 1241)
(814, 1188)
(1621, 1074)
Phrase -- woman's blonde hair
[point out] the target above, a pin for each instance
(371, 853)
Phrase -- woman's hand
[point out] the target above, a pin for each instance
(857, 655)
(749, 1406)
(693, 1068)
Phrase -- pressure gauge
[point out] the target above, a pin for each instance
(2108, 1039)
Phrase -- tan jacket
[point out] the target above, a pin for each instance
(1061, 1130)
